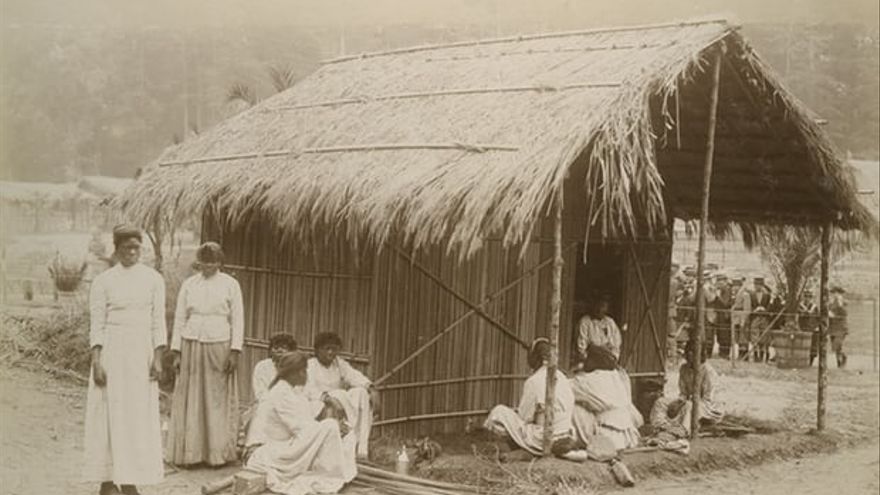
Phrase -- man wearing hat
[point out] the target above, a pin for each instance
(739, 315)
(123, 439)
(808, 321)
(837, 325)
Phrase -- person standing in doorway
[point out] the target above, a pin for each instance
(598, 328)
(123, 437)
(207, 340)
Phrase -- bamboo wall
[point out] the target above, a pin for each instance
(384, 307)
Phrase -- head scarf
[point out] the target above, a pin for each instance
(539, 352)
(599, 358)
(124, 232)
(209, 252)
(289, 364)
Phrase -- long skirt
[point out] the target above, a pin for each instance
(204, 409)
(317, 460)
(356, 402)
(123, 441)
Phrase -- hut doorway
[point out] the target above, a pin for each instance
(602, 273)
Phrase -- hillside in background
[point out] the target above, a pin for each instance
(80, 100)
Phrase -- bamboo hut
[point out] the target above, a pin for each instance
(407, 199)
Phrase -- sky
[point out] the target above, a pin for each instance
(521, 13)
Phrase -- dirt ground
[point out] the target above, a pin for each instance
(851, 472)
(41, 422)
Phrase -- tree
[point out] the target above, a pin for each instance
(793, 255)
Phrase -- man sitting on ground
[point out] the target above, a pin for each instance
(524, 426)
(330, 375)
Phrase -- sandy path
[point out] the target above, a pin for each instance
(850, 472)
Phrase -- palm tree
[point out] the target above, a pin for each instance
(281, 79)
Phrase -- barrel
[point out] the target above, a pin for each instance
(792, 348)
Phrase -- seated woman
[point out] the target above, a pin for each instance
(298, 453)
(265, 370)
(674, 416)
(264, 373)
(603, 399)
(599, 329)
(524, 426)
(330, 375)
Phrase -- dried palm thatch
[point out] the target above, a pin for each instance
(452, 143)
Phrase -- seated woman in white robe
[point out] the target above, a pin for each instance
(603, 401)
(264, 374)
(299, 454)
(674, 416)
(524, 425)
(330, 375)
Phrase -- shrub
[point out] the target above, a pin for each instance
(59, 338)
(66, 273)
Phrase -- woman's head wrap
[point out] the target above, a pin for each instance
(598, 358)
(124, 232)
(289, 364)
(210, 252)
(539, 352)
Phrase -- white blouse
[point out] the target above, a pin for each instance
(209, 310)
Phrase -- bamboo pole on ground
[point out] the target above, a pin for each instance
(555, 307)
(823, 327)
(697, 337)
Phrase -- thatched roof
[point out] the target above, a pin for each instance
(452, 143)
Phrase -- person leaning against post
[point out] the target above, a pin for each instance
(123, 437)
(207, 339)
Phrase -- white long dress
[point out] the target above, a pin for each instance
(123, 439)
(523, 425)
(299, 454)
(350, 387)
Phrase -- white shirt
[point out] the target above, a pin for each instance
(284, 413)
(264, 373)
(127, 298)
(338, 376)
(534, 391)
(209, 310)
(602, 332)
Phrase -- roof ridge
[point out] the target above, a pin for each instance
(536, 36)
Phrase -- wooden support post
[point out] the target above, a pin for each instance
(555, 310)
(698, 336)
(823, 327)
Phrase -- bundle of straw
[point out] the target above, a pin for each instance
(394, 483)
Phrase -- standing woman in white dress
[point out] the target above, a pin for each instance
(207, 339)
(123, 439)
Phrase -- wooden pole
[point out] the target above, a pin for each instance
(874, 329)
(823, 327)
(697, 337)
(555, 309)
